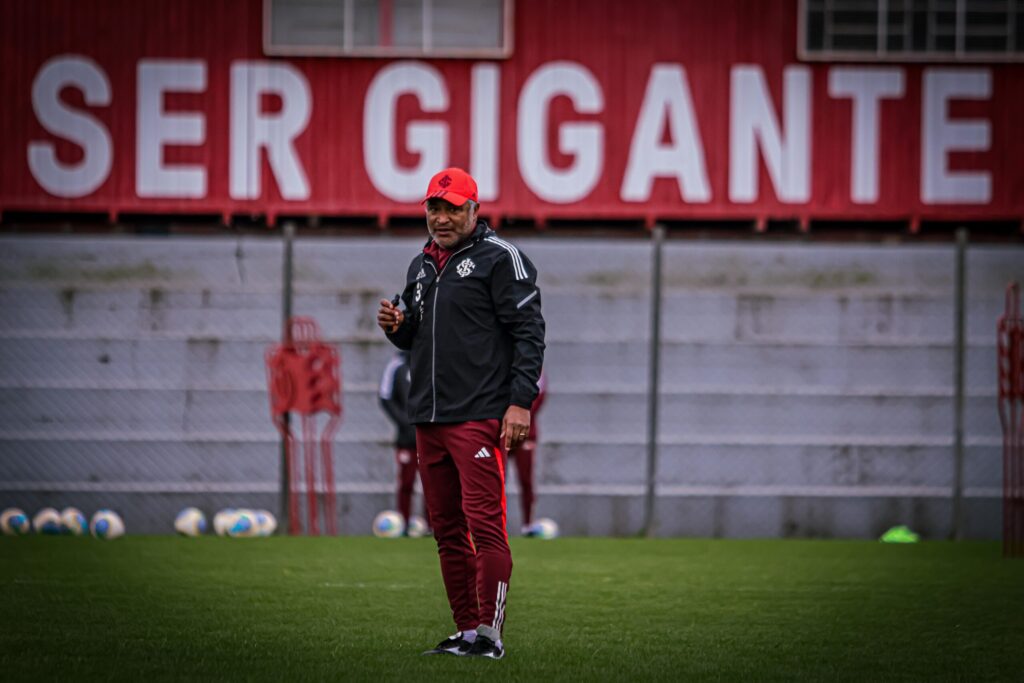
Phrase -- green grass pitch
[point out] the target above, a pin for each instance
(282, 609)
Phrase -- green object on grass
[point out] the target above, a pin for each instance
(899, 534)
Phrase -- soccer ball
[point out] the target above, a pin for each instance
(14, 522)
(72, 521)
(266, 523)
(388, 524)
(243, 524)
(47, 521)
(417, 527)
(106, 524)
(235, 522)
(190, 522)
(222, 520)
(546, 528)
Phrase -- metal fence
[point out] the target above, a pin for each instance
(803, 389)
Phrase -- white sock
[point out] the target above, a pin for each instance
(487, 631)
(469, 636)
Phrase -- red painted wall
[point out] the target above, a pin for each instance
(972, 145)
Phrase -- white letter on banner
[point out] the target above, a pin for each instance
(939, 136)
(666, 101)
(84, 177)
(156, 128)
(484, 130)
(584, 141)
(752, 120)
(252, 130)
(429, 140)
(865, 87)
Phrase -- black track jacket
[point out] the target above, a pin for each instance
(394, 399)
(475, 331)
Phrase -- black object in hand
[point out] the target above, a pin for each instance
(394, 302)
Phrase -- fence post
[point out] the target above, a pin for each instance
(288, 233)
(959, 303)
(658, 240)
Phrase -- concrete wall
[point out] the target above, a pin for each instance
(806, 390)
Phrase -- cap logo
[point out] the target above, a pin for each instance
(445, 181)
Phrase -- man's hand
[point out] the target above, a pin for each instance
(389, 317)
(515, 427)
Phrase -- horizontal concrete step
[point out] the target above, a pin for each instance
(166, 361)
(685, 415)
(351, 311)
(884, 366)
(183, 462)
(212, 361)
(117, 261)
(175, 411)
(144, 310)
(197, 410)
(753, 465)
(600, 263)
(196, 312)
(619, 414)
(815, 267)
(736, 467)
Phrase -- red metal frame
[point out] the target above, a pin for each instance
(1010, 359)
(304, 376)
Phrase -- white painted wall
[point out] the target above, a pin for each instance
(806, 389)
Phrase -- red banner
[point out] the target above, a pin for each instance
(647, 110)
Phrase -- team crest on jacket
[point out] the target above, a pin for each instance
(466, 267)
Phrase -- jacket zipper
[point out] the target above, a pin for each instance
(433, 336)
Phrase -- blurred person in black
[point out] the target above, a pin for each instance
(394, 399)
(524, 455)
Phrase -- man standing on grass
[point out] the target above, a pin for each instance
(471, 319)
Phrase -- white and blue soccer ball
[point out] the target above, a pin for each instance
(388, 524)
(244, 524)
(266, 523)
(73, 522)
(47, 521)
(545, 528)
(223, 520)
(106, 524)
(190, 522)
(417, 527)
(235, 522)
(14, 522)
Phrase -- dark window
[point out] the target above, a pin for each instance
(912, 30)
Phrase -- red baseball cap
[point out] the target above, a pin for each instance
(452, 185)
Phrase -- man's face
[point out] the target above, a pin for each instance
(449, 224)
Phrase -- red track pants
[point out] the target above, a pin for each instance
(405, 458)
(463, 474)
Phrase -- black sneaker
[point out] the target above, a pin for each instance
(452, 645)
(485, 647)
